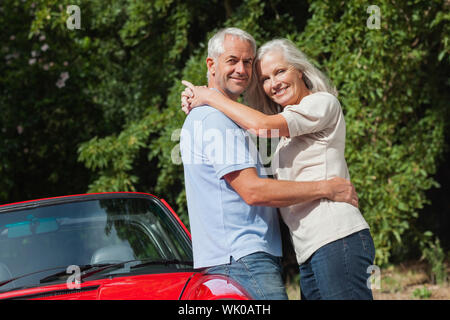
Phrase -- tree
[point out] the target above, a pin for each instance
(119, 108)
(393, 107)
(120, 159)
(45, 111)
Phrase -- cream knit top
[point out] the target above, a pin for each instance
(315, 151)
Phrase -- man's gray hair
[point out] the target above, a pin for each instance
(215, 44)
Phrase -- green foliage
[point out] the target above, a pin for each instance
(114, 124)
(422, 293)
(433, 253)
(393, 111)
(44, 109)
(161, 145)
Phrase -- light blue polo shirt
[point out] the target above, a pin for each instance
(222, 224)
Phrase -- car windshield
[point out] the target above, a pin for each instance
(89, 232)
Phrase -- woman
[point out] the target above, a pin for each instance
(332, 241)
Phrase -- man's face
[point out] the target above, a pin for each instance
(232, 70)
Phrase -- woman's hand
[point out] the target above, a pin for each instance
(194, 96)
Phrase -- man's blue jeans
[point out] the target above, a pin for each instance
(259, 273)
(339, 270)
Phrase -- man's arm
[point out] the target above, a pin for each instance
(258, 191)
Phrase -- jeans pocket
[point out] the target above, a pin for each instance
(263, 275)
(261, 263)
(368, 244)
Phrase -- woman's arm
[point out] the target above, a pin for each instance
(246, 117)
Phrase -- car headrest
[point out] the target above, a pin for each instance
(112, 254)
(5, 274)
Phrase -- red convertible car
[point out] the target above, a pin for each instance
(122, 245)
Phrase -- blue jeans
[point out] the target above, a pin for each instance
(338, 270)
(259, 273)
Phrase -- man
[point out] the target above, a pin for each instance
(234, 224)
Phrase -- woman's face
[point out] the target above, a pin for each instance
(281, 82)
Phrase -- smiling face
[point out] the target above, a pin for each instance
(281, 82)
(232, 71)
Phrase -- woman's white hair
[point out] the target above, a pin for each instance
(215, 44)
(314, 79)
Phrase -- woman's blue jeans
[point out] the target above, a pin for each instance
(259, 273)
(339, 270)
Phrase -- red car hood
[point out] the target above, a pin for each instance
(142, 287)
